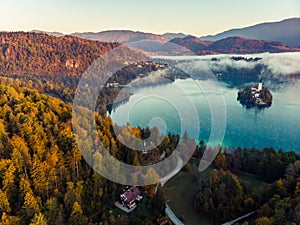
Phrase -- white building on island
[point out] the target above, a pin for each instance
(256, 89)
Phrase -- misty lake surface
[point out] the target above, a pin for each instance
(277, 126)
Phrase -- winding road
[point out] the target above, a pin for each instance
(238, 219)
(169, 211)
(172, 216)
(179, 165)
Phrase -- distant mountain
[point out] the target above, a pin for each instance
(182, 44)
(160, 48)
(286, 31)
(239, 45)
(148, 42)
(122, 36)
(232, 45)
(175, 35)
(54, 33)
(193, 43)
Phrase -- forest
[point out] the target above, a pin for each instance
(44, 179)
(39, 54)
(49, 64)
(222, 197)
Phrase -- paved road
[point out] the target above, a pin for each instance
(172, 216)
(168, 210)
(238, 219)
(179, 165)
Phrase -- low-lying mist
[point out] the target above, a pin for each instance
(276, 69)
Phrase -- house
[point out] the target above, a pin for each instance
(130, 197)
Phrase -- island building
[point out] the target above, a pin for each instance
(257, 88)
(256, 91)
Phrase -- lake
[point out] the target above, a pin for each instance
(277, 126)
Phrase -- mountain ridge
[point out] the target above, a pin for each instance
(240, 45)
(232, 45)
(122, 36)
(286, 31)
(175, 35)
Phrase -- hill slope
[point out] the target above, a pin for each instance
(39, 53)
(286, 31)
(193, 43)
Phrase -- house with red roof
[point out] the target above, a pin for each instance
(130, 197)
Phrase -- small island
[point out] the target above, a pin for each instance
(255, 96)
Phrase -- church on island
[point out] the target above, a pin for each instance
(257, 95)
(256, 91)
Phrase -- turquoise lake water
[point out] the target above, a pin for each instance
(277, 126)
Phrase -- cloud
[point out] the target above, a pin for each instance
(283, 63)
(276, 63)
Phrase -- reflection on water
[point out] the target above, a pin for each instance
(277, 126)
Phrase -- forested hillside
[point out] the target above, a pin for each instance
(43, 178)
(40, 54)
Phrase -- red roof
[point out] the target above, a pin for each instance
(131, 194)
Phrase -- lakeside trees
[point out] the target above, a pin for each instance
(222, 197)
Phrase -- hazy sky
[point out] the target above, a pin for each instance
(198, 17)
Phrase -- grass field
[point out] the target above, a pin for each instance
(180, 192)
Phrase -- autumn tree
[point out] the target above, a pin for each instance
(77, 217)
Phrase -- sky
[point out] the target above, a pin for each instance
(196, 17)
